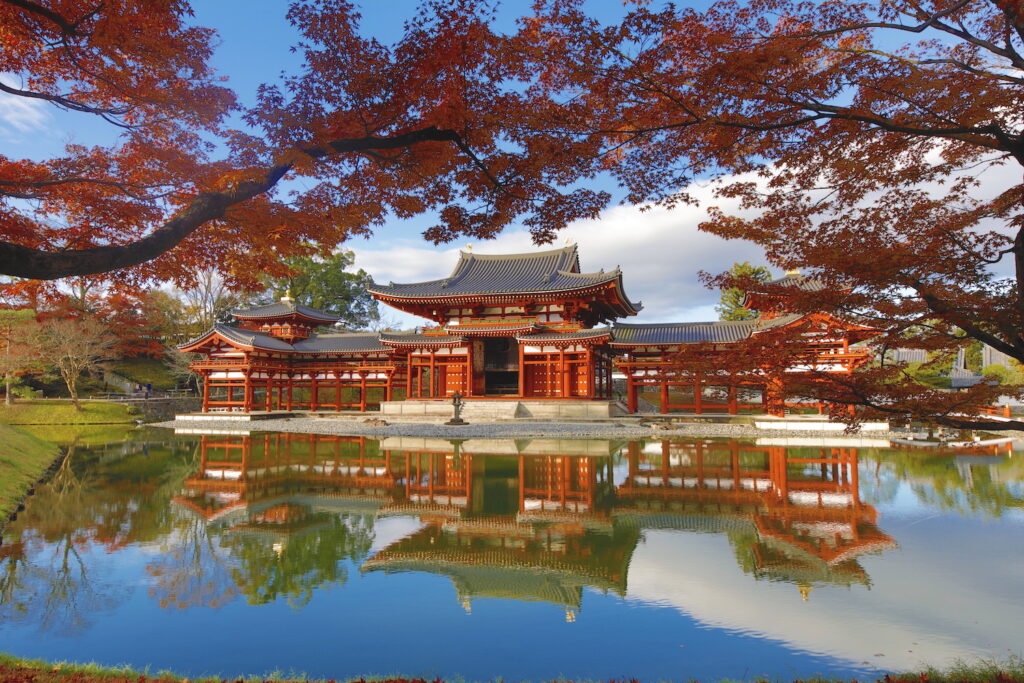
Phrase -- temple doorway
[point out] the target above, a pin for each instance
(501, 366)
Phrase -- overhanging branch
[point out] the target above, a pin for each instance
(27, 262)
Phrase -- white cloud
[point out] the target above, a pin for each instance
(20, 116)
(659, 250)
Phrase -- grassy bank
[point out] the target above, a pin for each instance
(23, 459)
(58, 412)
(16, 670)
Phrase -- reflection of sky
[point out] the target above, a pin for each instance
(930, 601)
(952, 589)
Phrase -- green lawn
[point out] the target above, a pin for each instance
(54, 412)
(146, 371)
(23, 459)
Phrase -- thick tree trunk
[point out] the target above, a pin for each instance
(72, 382)
(8, 383)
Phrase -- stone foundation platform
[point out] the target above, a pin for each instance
(498, 409)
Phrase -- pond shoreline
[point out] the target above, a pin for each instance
(15, 669)
(520, 430)
(32, 462)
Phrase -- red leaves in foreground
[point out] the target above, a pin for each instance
(27, 674)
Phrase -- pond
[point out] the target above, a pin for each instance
(528, 560)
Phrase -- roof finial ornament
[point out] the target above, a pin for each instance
(793, 271)
(287, 298)
(569, 240)
(469, 247)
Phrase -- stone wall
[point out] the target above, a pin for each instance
(160, 409)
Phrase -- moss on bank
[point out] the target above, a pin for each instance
(59, 412)
(23, 459)
(16, 670)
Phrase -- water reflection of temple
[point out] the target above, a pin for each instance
(792, 514)
(544, 519)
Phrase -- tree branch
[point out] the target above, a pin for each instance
(27, 262)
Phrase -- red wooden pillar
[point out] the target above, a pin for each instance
(314, 390)
(698, 394)
(270, 394)
(291, 387)
(388, 385)
(733, 407)
(774, 398)
(247, 392)
(523, 387)
(663, 385)
(432, 388)
(591, 369)
(632, 405)
(362, 392)
(562, 373)
(206, 391)
(337, 386)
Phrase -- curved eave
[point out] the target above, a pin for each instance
(495, 331)
(244, 340)
(436, 298)
(418, 341)
(546, 339)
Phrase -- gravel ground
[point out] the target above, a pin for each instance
(516, 430)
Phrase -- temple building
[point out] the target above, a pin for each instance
(515, 327)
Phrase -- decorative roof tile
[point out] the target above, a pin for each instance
(283, 309)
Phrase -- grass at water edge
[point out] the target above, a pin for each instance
(17, 670)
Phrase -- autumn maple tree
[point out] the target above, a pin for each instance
(854, 138)
(365, 131)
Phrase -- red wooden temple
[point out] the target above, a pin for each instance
(513, 326)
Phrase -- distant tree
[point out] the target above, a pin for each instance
(730, 306)
(73, 346)
(1005, 376)
(18, 353)
(328, 284)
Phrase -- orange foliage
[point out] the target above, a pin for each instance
(853, 137)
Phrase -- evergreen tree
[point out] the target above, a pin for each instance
(730, 306)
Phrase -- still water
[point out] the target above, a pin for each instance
(343, 556)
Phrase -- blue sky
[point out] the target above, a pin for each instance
(660, 252)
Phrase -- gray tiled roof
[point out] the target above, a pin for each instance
(564, 336)
(352, 342)
(257, 340)
(539, 272)
(721, 331)
(406, 339)
(801, 282)
(682, 333)
(279, 309)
